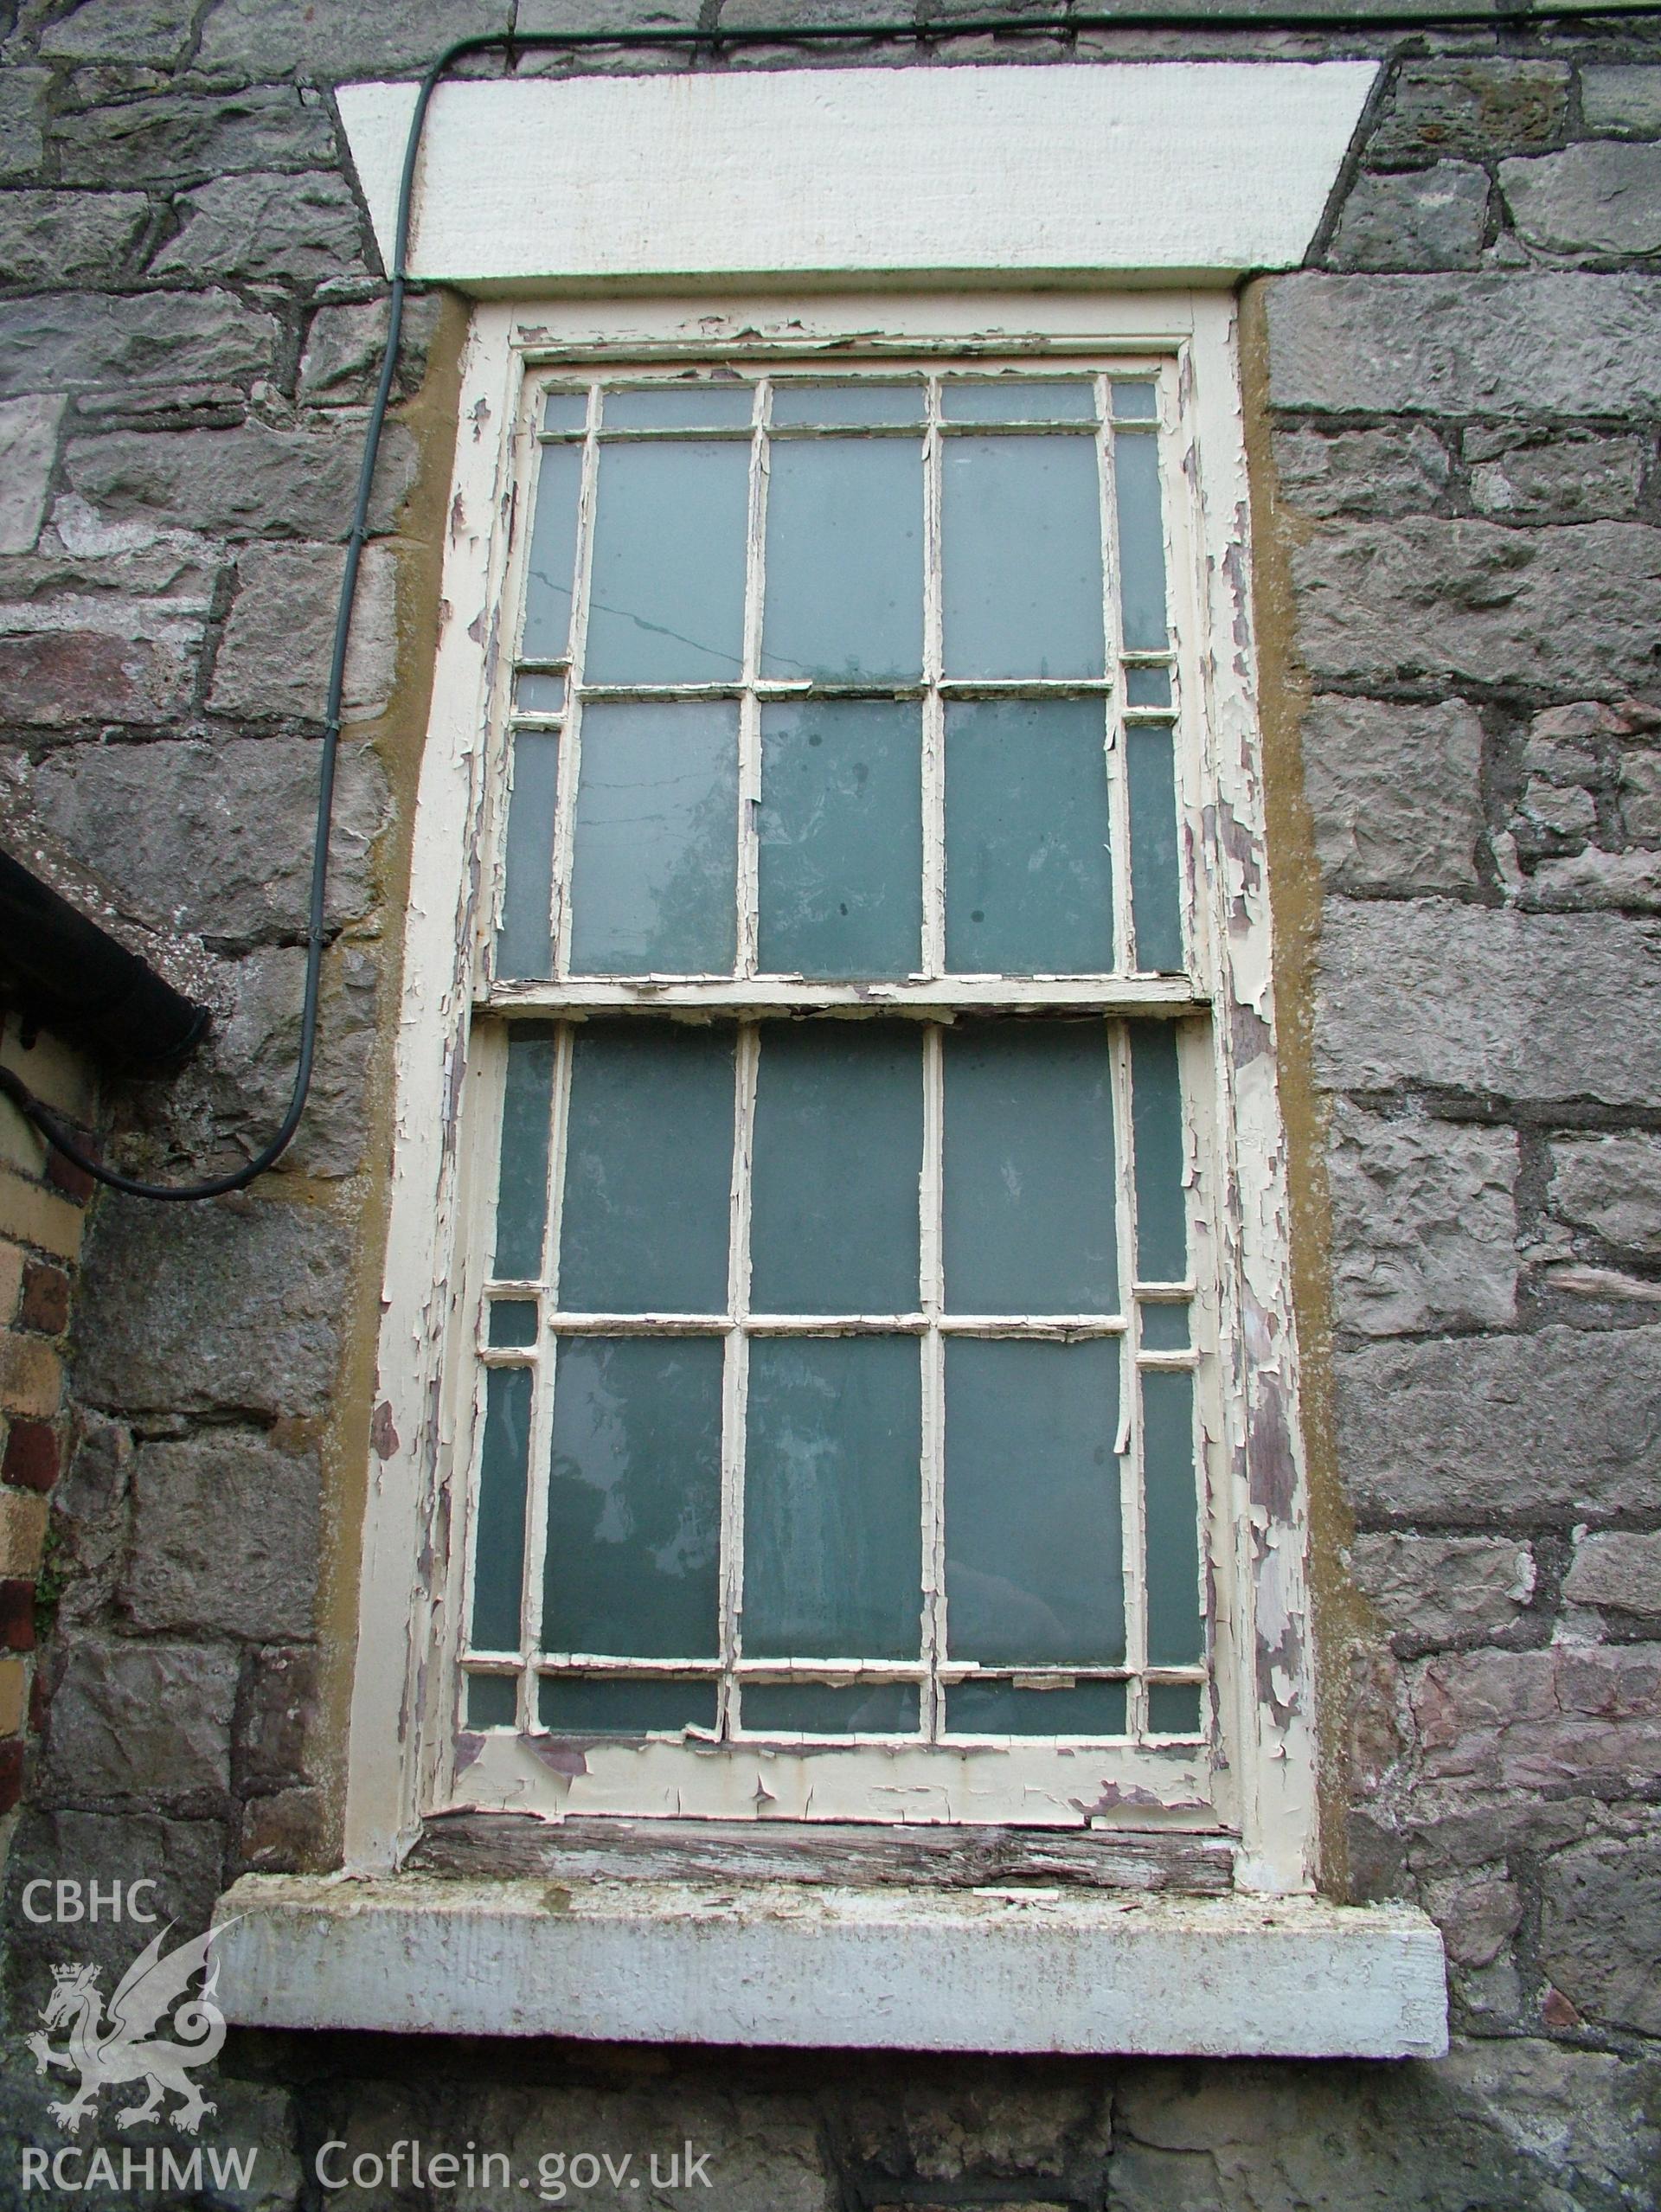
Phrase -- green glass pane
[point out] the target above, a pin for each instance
(565, 413)
(537, 694)
(833, 1499)
(1147, 687)
(550, 567)
(1010, 399)
(1156, 1121)
(655, 873)
(817, 1708)
(1028, 879)
(513, 1323)
(492, 1702)
(624, 1705)
(1034, 1575)
(666, 592)
(633, 1559)
(1174, 1708)
(648, 1167)
(1030, 1210)
(998, 1708)
(522, 1184)
(1156, 899)
(831, 406)
(1136, 402)
(686, 407)
(499, 1531)
(844, 574)
(1171, 1512)
(524, 945)
(1022, 557)
(1164, 1328)
(837, 1154)
(841, 839)
(1141, 543)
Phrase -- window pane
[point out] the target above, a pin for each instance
(1141, 543)
(829, 406)
(499, 1537)
(666, 597)
(492, 1700)
(551, 564)
(1172, 1516)
(648, 1166)
(838, 1152)
(1164, 1328)
(1022, 557)
(633, 1561)
(1028, 880)
(1136, 402)
(997, 1708)
(845, 580)
(535, 693)
(841, 839)
(1174, 1708)
(654, 880)
(521, 1181)
(565, 414)
(1156, 1120)
(832, 1504)
(624, 1705)
(683, 407)
(823, 1709)
(513, 1323)
(1147, 687)
(1029, 1214)
(1034, 1575)
(1156, 903)
(524, 942)
(1010, 399)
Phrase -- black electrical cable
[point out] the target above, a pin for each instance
(513, 43)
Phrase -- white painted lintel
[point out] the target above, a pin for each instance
(1176, 171)
(823, 1968)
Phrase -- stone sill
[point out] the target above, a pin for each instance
(775, 1963)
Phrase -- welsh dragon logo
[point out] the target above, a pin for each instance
(122, 2049)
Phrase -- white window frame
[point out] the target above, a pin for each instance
(401, 1765)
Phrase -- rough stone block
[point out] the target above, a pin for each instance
(1541, 476)
(1413, 219)
(342, 359)
(227, 852)
(1481, 1430)
(254, 481)
(1477, 1916)
(224, 1536)
(156, 33)
(1622, 98)
(1424, 1222)
(180, 138)
(336, 38)
(1485, 999)
(22, 117)
(66, 340)
(62, 677)
(52, 238)
(1586, 1721)
(627, 15)
(1401, 471)
(146, 1725)
(1473, 105)
(285, 1833)
(996, 2123)
(28, 445)
(275, 1719)
(274, 660)
(267, 228)
(1564, 608)
(1600, 196)
(1640, 796)
(1617, 1571)
(242, 1312)
(1395, 792)
(1437, 1592)
(184, 1858)
(1627, 883)
(1600, 1932)
(1529, 343)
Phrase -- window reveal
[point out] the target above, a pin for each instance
(838, 1374)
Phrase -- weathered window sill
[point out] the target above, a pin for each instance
(776, 1963)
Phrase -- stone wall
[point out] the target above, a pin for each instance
(1455, 420)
